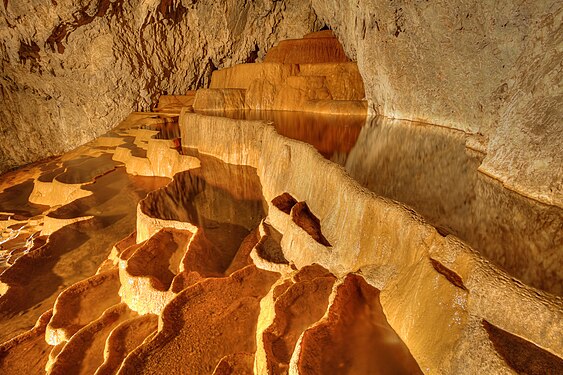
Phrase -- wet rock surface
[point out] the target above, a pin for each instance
(492, 71)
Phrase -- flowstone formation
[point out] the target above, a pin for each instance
(223, 234)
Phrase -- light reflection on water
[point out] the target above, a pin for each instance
(332, 135)
(430, 169)
(425, 167)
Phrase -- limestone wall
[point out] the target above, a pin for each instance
(391, 246)
(72, 69)
(489, 68)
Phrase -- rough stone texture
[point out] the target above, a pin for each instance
(72, 69)
(489, 68)
(392, 245)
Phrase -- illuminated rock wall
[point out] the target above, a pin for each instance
(72, 70)
(492, 69)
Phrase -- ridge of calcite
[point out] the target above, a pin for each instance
(373, 233)
(312, 81)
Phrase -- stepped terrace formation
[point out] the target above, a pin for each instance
(266, 224)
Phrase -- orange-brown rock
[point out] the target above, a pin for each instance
(354, 337)
(236, 364)
(392, 247)
(301, 305)
(214, 99)
(343, 80)
(82, 303)
(147, 274)
(26, 353)
(323, 84)
(194, 340)
(84, 352)
(175, 103)
(320, 47)
(298, 90)
(241, 76)
(124, 339)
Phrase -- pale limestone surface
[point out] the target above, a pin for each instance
(489, 68)
(313, 81)
(384, 281)
(394, 246)
(430, 169)
(355, 276)
(73, 69)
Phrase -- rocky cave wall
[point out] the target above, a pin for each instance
(71, 69)
(486, 67)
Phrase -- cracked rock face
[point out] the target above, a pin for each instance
(490, 69)
(72, 70)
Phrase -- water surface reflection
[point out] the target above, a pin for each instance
(332, 135)
(430, 169)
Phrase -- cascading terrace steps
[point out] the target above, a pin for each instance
(244, 251)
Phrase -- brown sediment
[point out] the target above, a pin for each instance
(355, 337)
(193, 339)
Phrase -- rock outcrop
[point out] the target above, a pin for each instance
(72, 70)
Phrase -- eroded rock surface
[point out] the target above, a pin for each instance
(488, 69)
(277, 263)
(73, 69)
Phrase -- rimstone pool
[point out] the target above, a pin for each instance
(268, 225)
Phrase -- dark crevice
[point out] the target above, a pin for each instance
(252, 55)
(81, 18)
(302, 216)
(29, 51)
(172, 10)
(523, 356)
(452, 277)
(284, 202)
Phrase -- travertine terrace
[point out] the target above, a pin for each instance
(219, 235)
